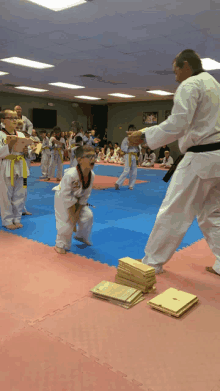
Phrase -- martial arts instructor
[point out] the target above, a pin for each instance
(194, 190)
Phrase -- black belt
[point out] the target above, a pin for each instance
(195, 149)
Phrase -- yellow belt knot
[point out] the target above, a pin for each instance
(60, 154)
(130, 155)
(16, 158)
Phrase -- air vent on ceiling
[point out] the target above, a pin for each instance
(10, 85)
(90, 76)
(165, 72)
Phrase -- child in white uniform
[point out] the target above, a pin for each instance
(167, 161)
(111, 156)
(74, 144)
(57, 144)
(131, 159)
(13, 181)
(149, 158)
(45, 155)
(71, 201)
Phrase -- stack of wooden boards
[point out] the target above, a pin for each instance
(133, 273)
(132, 280)
(173, 302)
(117, 294)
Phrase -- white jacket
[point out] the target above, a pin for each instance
(194, 120)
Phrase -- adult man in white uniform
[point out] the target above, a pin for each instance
(28, 126)
(194, 190)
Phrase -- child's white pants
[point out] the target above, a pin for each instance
(12, 207)
(45, 163)
(132, 171)
(65, 227)
(55, 161)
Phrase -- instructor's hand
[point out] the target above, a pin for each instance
(134, 138)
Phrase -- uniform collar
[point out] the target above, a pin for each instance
(197, 72)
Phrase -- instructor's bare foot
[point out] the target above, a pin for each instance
(211, 270)
(18, 225)
(11, 226)
(60, 250)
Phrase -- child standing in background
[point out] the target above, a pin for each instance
(45, 155)
(57, 144)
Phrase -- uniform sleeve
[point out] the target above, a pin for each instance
(84, 199)
(29, 126)
(66, 191)
(185, 104)
(124, 145)
(4, 150)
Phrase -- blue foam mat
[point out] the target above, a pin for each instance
(123, 219)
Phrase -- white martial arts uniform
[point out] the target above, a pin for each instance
(131, 170)
(31, 156)
(27, 125)
(68, 193)
(167, 162)
(12, 198)
(45, 157)
(55, 159)
(110, 158)
(194, 190)
(152, 158)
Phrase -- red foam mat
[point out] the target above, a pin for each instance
(103, 182)
(55, 336)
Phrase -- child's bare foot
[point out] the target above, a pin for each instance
(59, 250)
(18, 225)
(11, 226)
(26, 213)
(58, 179)
(46, 179)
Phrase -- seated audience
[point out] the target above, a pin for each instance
(167, 161)
(161, 153)
(110, 158)
(149, 158)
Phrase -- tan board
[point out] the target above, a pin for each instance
(38, 150)
(21, 143)
(116, 291)
(123, 281)
(145, 281)
(119, 303)
(173, 302)
(135, 266)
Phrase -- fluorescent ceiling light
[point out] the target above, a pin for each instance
(86, 97)
(31, 89)
(65, 85)
(57, 5)
(4, 73)
(159, 92)
(208, 64)
(123, 95)
(27, 63)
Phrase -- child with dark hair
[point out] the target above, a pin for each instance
(78, 143)
(71, 201)
(131, 160)
(57, 145)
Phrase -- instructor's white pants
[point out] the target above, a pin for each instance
(188, 196)
(65, 227)
(12, 202)
(132, 171)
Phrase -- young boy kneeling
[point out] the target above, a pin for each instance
(71, 201)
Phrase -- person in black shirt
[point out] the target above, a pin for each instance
(161, 153)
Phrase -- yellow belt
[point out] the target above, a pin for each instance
(59, 151)
(45, 148)
(134, 154)
(72, 146)
(16, 158)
